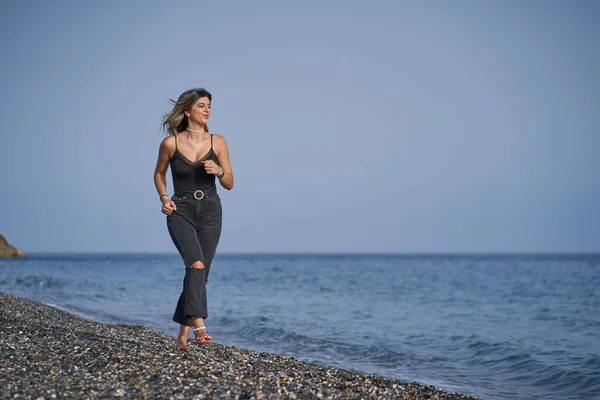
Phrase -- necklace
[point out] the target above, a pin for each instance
(192, 140)
(191, 130)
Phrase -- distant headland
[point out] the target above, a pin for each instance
(9, 251)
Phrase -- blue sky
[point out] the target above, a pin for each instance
(383, 126)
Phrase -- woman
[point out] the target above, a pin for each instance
(197, 159)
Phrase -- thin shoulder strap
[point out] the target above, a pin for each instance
(175, 142)
(211, 140)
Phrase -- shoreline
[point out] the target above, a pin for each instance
(51, 353)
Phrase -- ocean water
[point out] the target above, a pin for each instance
(493, 326)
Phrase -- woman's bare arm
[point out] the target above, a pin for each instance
(165, 152)
(224, 162)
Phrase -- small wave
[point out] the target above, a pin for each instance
(571, 374)
(34, 282)
(262, 332)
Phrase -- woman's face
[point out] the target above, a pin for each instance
(200, 111)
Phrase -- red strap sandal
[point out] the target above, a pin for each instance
(202, 339)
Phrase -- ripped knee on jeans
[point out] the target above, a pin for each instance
(197, 265)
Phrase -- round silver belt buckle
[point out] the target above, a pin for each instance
(201, 194)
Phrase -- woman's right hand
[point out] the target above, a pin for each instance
(168, 206)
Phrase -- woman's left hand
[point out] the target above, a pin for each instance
(211, 167)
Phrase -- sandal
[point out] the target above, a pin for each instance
(202, 339)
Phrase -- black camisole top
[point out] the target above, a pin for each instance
(189, 176)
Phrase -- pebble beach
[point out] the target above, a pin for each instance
(48, 353)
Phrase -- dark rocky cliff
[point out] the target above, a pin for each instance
(8, 251)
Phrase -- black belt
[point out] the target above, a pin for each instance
(195, 194)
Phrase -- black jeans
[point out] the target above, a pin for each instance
(195, 228)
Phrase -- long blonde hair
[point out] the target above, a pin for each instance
(176, 121)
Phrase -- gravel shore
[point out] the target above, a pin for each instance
(48, 353)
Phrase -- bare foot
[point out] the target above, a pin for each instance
(182, 344)
(201, 335)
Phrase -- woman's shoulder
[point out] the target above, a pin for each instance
(218, 143)
(218, 138)
(168, 144)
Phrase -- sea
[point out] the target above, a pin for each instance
(494, 326)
